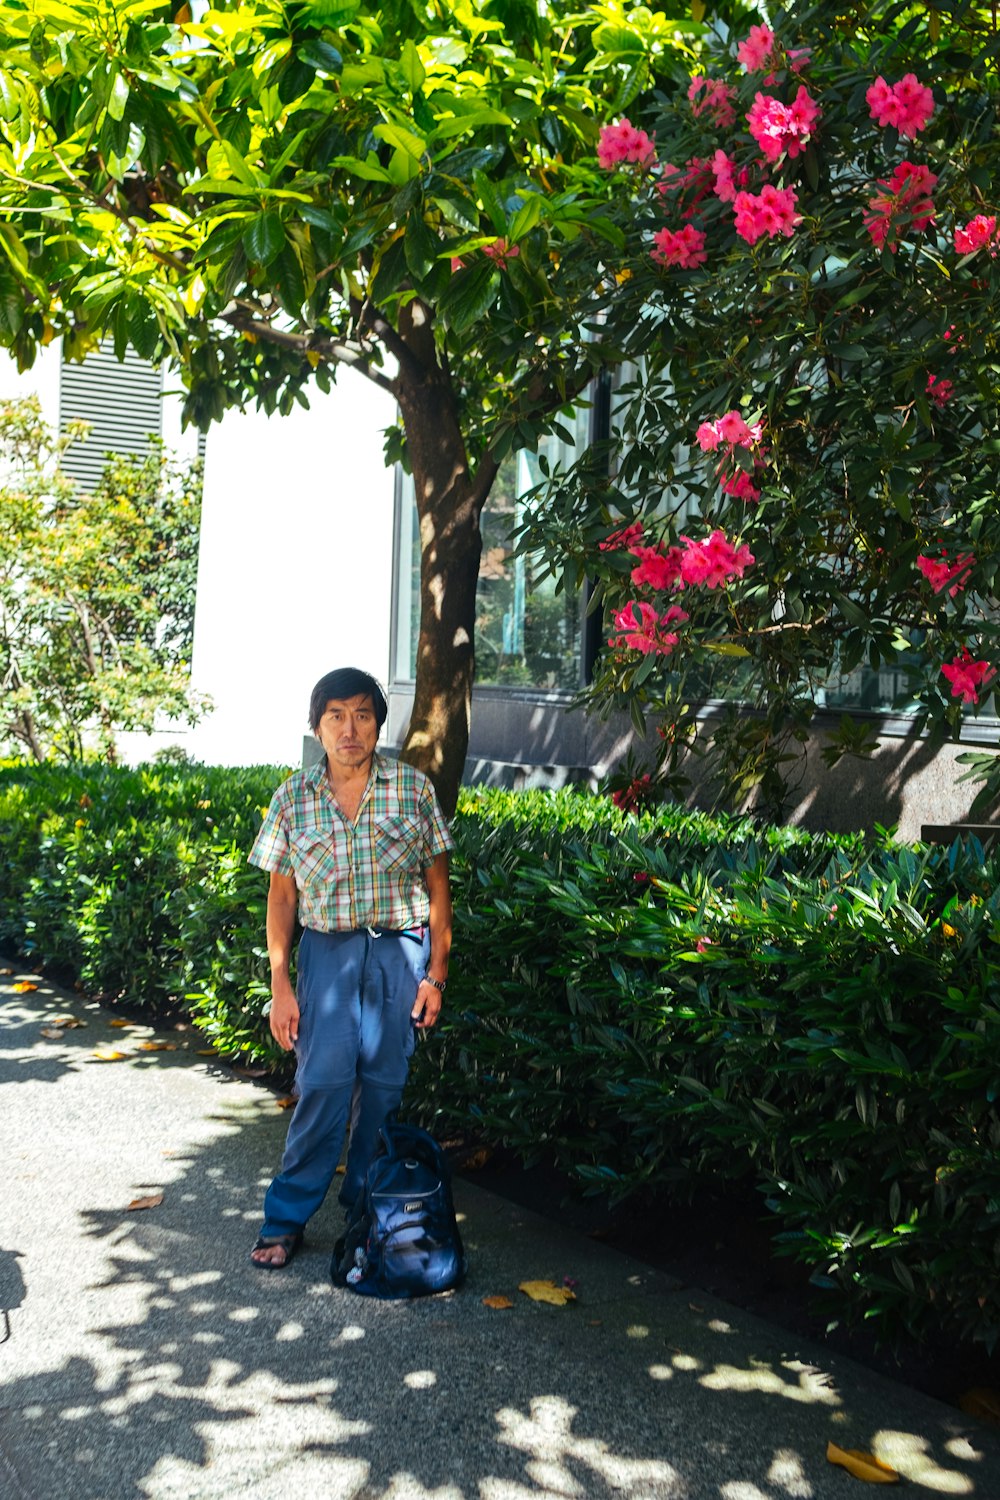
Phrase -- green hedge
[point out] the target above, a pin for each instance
(653, 1003)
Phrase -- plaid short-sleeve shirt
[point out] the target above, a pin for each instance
(369, 873)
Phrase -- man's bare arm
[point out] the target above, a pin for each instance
(427, 1005)
(282, 904)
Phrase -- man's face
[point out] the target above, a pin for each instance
(348, 732)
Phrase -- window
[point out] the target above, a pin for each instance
(528, 635)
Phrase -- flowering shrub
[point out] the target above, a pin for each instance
(815, 259)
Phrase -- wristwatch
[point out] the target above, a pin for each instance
(439, 984)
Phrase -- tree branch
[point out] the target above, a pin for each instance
(343, 352)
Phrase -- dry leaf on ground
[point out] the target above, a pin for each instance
(23, 987)
(119, 1021)
(52, 1032)
(152, 1201)
(206, 1052)
(477, 1160)
(6, 973)
(68, 1023)
(157, 1046)
(862, 1465)
(498, 1302)
(108, 1054)
(242, 1071)
(547, 1291)
(288, 1102)
(981, 1402)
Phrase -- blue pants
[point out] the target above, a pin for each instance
(355, 992)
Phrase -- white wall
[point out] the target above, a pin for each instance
(42, 380)
(295, 571)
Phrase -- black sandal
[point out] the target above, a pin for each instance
(288, 1242)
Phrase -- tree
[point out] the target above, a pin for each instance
(268, 192)
(96, 592)
(805, 472)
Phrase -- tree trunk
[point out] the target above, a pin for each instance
(449, 503)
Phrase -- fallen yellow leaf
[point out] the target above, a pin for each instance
(68, 1023)
(23, 987)
(547, 1291)
(862, 1465)
(108, 1054)
(288, 1102)
(52, 1032)
(153, 1201)
(119, 1022)
(981, 1402)
(157, 1046)
(498, 1302)
(206, 1052)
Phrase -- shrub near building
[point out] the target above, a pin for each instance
(649, 1001)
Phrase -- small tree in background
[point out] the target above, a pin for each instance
(805, 471)
(96, 593)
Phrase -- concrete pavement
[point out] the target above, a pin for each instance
(142, 1357)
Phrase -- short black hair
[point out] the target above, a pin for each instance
(346, 682)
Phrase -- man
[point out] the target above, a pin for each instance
(357, 846)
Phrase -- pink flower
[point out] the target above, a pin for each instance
(939, 572)
(710, 96)
(967, 676)
(770, 212)
(908, 105)
(739, 485)
(693, 183)
(940, 391)
(456, 263)
(501, 252)
(757, 52)
(783, 129)
(679, 247)
(642, 629)
(733, 429)
(760, 51)
(624, 143)
(629, 797)
(906, 202)
(658, 568)
(978, 232)
(713, 561)
(730, 428)
(703, 944)
(623, 538)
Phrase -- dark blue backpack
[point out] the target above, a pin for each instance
(403, 1240)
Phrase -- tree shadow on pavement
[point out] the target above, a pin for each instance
(149, 1359)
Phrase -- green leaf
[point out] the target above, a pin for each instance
(10, 102)
(290, 279)
(238, 166)
(263, 237)
(469, 293)
(413, 68)
(118, 96)
(322, 56)
(402, 140)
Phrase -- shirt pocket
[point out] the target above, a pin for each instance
(313, 852)
(398, 845)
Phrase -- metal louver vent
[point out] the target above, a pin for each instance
(120, 399)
